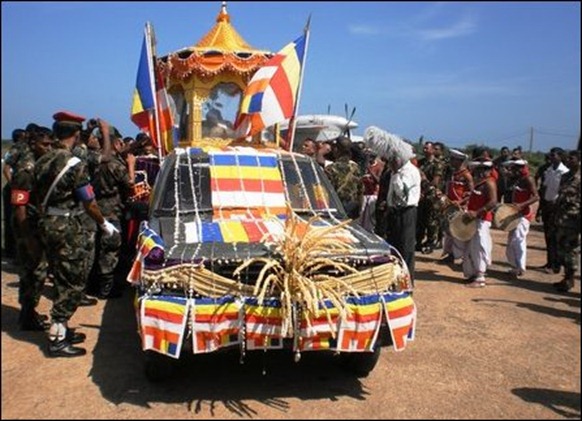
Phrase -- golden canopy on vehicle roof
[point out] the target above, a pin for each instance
(221, 49)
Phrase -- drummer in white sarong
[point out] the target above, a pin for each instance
(482, 201)
(524, 195)
(458, 188)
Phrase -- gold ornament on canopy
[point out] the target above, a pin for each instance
(205, 76)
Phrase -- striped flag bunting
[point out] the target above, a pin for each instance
(222, 322)
(163, 322)
(400, 313)
(359, 330)
(147, 241)
(320, 335)
(216, 323)
(263, 324)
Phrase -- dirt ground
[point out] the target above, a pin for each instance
(507, 351)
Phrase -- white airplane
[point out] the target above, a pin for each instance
(319, 127)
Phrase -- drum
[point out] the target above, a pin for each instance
(506, 217)
(461, 229)
(448, 209)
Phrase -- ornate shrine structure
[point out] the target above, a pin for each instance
(206, 81)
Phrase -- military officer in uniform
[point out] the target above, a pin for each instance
(64, 193)
(32, 264)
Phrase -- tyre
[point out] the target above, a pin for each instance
(360, 363)
(157, 367)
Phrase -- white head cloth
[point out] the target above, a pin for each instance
(454, 153)
(387, 145)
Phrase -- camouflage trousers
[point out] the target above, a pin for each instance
(68, 250)
(429, 222)
(568, 247)
(32, 271)
(107, 253)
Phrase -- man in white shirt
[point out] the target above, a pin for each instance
(551, 185)
(402, 203)
(403, 191)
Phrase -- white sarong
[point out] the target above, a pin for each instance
(516, 251)
(477, 251)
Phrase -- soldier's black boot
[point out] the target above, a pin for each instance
(64, 348)
(61, 341)
(29, 320)
(75, 337)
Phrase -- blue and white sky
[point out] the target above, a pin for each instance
(458, 72)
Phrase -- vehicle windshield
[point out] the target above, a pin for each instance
(305, 185)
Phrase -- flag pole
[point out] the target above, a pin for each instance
(152, 53)
(291, 129)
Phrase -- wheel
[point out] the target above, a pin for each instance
(360, 363)
(157, 367)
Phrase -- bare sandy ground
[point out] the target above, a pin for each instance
(508, 351)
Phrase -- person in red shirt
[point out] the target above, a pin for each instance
(524, 194)
(482, 201)
(457, 188)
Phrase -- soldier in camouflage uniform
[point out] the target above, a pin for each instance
(428, 223)
(32, 264)
(113, 184)
(568, 221)
(17, 151)
(62, 184)
(345, 176)
(90, 152)
(439, 153)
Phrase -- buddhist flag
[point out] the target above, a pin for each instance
(246, 178)
(359, 330)
(263, 324)
(321, 331)
(270, 97)
(150, 109)
(143, 95)
(147, 241)
(163, 322)
(216, 323)
(400, 313)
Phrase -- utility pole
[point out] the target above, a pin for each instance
(531, 140)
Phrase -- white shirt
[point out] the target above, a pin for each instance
(552, 181)
(404, 189)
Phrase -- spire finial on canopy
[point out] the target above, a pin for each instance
(223, 15)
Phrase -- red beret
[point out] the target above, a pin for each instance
(68, 117)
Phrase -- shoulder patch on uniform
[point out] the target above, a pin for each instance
(19, 197)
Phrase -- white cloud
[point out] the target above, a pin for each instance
(427, 26)
(465, 26)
